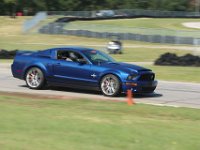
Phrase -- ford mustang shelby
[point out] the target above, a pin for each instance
(79, 67)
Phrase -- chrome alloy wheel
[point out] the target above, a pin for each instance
(35, 78)
(110, 85)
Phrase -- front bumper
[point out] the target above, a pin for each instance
(140, 86)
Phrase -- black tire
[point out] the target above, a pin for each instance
(110, 85)
(35, 78)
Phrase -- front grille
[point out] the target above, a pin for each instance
(147, 77)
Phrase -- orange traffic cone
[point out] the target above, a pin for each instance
(130, 100)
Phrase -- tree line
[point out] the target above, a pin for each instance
(29, 7)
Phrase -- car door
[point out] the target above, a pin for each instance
(72, 73)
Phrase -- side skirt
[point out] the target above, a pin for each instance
(84, 87)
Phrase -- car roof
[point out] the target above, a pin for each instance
(73, 48)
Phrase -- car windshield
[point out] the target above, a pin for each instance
(97, 57)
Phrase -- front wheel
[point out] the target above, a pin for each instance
(35, 78)
(110, 85)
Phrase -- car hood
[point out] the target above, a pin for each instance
(128, 68)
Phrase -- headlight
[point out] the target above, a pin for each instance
(132, 77)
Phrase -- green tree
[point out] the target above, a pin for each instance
(9, 6)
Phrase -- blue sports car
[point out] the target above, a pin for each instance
(78, 67)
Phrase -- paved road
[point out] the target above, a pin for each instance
(167, 93)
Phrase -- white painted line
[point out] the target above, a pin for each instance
(161, 105)
(195, 25)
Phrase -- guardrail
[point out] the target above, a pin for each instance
(58, 28)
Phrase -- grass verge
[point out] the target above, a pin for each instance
(144, 54)
(84, 124)
(11, 37)
(151, 26)
(174, 73)
(157, 23)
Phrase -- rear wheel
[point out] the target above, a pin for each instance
(110, 85)
(35, 78)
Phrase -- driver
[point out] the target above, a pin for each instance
(73, 57)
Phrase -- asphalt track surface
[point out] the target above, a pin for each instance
(175, 94)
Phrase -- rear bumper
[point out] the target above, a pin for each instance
(140, 86)
(17, 73)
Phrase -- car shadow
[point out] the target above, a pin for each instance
(73, 90)
(143, 95)
(84, 91)
(65, 89)
(148, 95)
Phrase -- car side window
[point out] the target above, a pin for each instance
(61, 55)
(70, 56)
(98, 57)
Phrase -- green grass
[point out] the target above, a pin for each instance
(158, 23)
(144, 54)
(32, 124)
(6, 60)
(159, 26)
(11, 37)
(170, 73)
